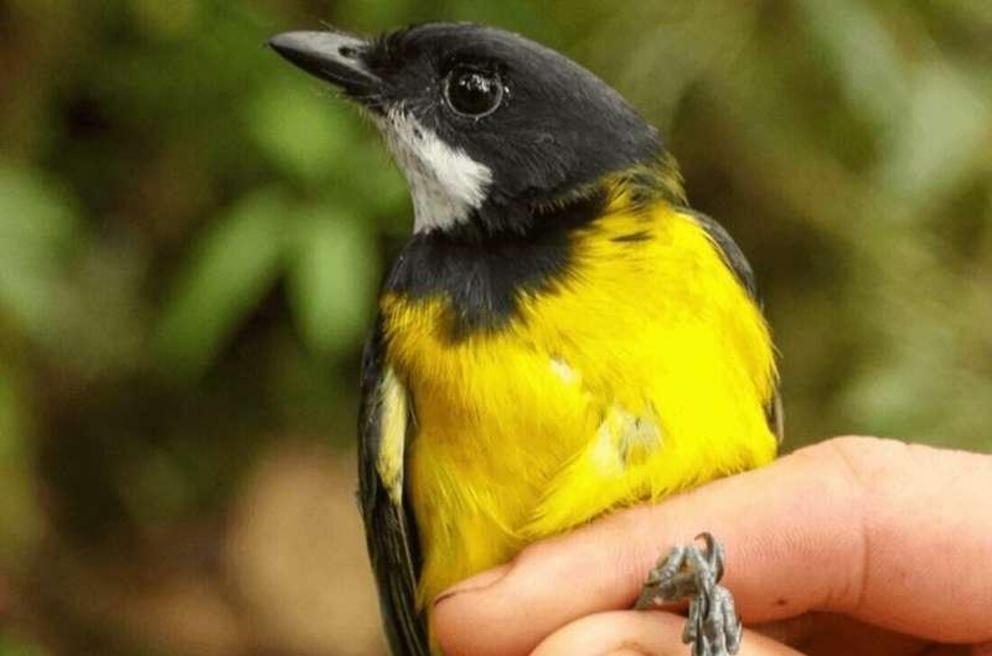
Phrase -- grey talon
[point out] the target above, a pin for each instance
(693, 573)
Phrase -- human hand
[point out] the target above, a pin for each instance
(852, 546)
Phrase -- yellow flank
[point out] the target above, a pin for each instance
(395, 410)
(644, 372)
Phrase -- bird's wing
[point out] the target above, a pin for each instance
(734, 257)
(385, 420)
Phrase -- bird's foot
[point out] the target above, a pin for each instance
(693, 573)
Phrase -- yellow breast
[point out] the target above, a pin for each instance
(644, 371)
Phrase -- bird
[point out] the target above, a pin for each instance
(561, 336)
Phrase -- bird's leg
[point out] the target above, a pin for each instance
(692, 573)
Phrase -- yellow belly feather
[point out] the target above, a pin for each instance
(644, 373)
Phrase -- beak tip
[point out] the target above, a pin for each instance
(285, 43)
(333, 56)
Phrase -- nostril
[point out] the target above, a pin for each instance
(347, 52)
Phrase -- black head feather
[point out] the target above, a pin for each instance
(557, 130)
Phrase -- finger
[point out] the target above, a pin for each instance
(889, 534)
(644, 633)
(825, 634)
(794, 631)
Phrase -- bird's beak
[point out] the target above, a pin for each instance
(332, 56)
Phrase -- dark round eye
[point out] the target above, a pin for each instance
(472, 92)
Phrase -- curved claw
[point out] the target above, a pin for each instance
(714, 553)
(692, 573)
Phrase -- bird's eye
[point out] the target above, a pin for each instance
(472, 92)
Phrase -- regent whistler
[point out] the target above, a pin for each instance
(561, 335)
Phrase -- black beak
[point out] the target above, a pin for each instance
(332, 56)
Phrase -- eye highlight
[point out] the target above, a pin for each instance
(473, 92)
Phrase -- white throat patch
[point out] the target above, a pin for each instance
(445, 183)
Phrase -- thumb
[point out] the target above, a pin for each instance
(639, 633)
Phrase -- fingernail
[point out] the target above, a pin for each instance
(477, 582)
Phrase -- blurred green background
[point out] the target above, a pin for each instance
(192, 232)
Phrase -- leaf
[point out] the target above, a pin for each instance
(332, 278)
(374, 178)
(37, 226)
(304, 129)
(227, 275)
(942, 138)
(863, 52)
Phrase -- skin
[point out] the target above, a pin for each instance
(855, 545)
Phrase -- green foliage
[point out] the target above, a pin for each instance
(231, 269)
(304, 132)
(192, 234)
(10, 646)
(332, 278)
(21, 518)
(37, 227)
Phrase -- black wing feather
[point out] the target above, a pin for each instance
(390, 531)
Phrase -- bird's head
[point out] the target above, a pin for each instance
(489, 127)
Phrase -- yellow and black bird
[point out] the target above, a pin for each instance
(561, 335)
